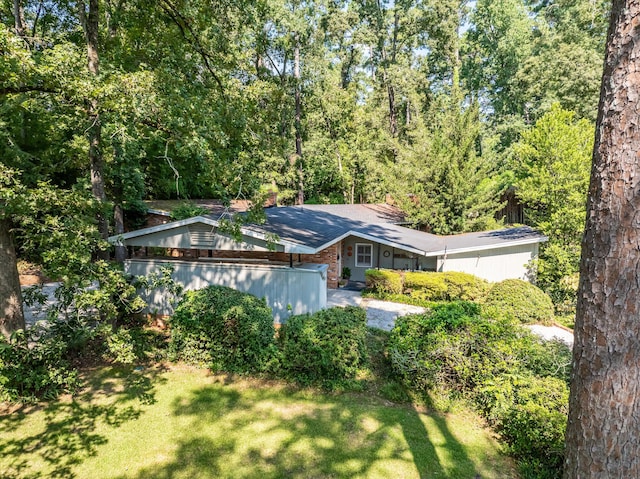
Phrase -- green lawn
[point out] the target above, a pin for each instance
(185, 423)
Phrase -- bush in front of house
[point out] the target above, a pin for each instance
(522, 300)
(383, 281)
(425, 285)
(325, 347)
(223, 329)
(465, 286)
(447, 286)
(517, 382)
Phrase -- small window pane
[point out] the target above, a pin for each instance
(364, 254)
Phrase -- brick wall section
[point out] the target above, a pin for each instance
(326, 256)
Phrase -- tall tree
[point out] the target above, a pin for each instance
(89, 19)
(551, 164)
(604, 406)
(11, 313)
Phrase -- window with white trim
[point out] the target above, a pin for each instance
(364, 255)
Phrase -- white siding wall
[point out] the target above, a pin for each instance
(493, 264)
(287, 290)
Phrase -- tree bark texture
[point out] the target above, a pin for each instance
(603, 432)
(89, 20)
(18, 17)
(11, 313)
(118, 220)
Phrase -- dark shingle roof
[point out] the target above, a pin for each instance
(318, 226)
(492, 238)
(367, 213)
(311, 228)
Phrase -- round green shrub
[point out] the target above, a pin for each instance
(383, 281)
(521, 300)
(223, 329)
(516, 381)
(464, 286)
(324, 347)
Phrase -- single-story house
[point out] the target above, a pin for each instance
(299, 251)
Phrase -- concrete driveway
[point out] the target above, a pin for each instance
(383, 314)
(380, 314)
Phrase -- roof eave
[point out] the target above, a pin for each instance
(289, 246)
(361, 235)
(505, 244)
(117, 239)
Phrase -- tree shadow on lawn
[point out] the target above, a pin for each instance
(69, 435)
(266, 433)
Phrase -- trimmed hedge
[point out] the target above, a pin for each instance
(324, 347)
(521, 300)
(223, 329)
(447, 286)
(427, 285)
(383, 281)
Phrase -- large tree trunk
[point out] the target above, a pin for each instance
(298, 119)
(118, 220)
(604, 411)
(89, 20)
(11, 314)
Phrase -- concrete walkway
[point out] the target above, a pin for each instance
(37, 312)
(380, 314)
(552, 332)
(383, 314)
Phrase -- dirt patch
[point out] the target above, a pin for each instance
(31, 274)
(32, 279)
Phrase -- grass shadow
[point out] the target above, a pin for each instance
(274, 432)
(66, 432)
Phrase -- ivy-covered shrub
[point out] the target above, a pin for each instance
(33, 366)
(223, 329)
(324, 347)
(383, 281)
(518, 382)
(447, 286)
(522, 300)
